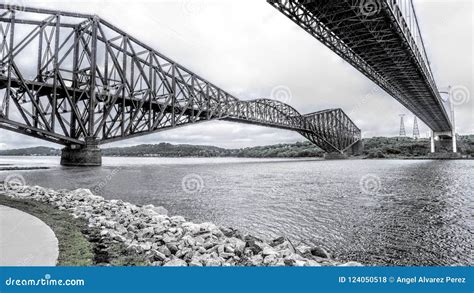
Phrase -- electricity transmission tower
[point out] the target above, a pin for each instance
(416, 130)
(402, 126)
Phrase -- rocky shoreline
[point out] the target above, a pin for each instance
(162, 240)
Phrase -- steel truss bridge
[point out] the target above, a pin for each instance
(381, 39)
(76, 79)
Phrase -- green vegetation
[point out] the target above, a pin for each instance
(299, 149)
(466, 145)
(296, 150)
(384, 147)
(34, 151)
(404, 147)
(376, 147)
(79, 245)
(165, 150)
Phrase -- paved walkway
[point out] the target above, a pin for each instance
(25, 240)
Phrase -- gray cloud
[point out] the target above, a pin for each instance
(249, 48)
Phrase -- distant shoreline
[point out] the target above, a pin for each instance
(374, 148)
(16, 168)
(230, 157)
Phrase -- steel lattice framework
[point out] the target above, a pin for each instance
(71, 78)
(380, 38)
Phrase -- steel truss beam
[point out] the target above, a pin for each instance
(381, 39)
(66, 77)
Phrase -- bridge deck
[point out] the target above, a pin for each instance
(378, 42)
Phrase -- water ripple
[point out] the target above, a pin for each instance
(421, 214)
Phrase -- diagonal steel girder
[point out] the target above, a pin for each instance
(65, 77)
(381, 39)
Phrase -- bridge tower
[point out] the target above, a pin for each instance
(402, 126)
(445, 141)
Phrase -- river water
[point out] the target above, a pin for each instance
(382, 212)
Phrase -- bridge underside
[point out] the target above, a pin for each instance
(381, 39)
(79, 81)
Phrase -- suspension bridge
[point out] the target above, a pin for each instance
(78, 80)
(381, 39)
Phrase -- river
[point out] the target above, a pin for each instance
(378, 212)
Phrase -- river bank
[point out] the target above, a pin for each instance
(375, 147)
(149, 234)
(74, 248)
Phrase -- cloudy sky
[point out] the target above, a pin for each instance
(249, 49)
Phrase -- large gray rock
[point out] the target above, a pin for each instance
(214, 262)
(175, 263)
(177, 220)
(267, 251)
(277, 241)
(195, 263)
(254, 246)
(303, 249)
(319, 252)
(165, 250)
(158, 255)
(351, 264)
(150, 232)
(239, 245)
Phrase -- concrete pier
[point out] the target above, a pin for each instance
(443, 142)
(357, 148)
(443, 146)
(88, 155)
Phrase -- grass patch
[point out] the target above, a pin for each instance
(79, 245)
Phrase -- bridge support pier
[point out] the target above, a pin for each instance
(357, 148)
(88, 155)
(443, 145)
(432, 142)
(335, 156)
